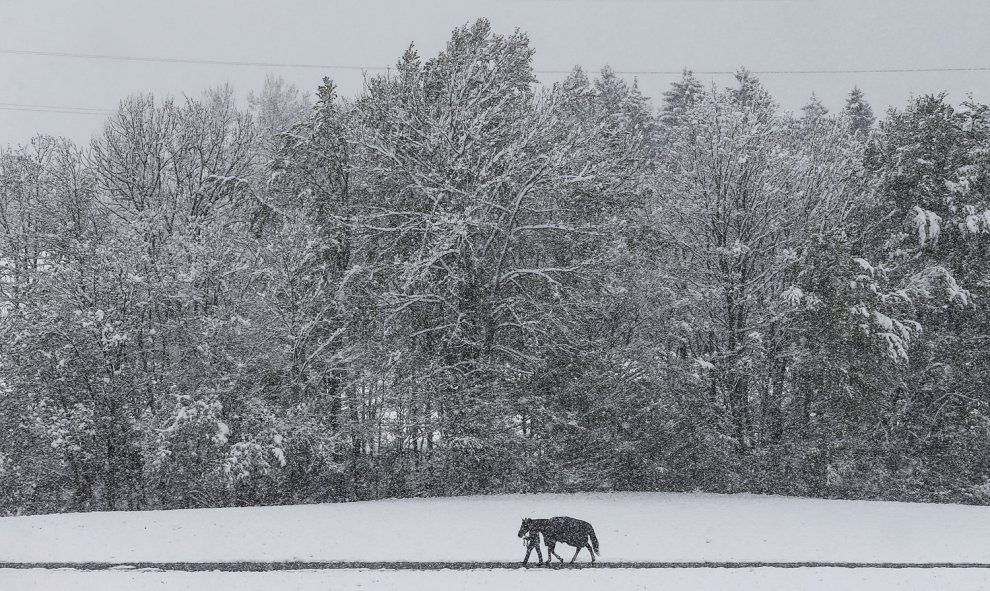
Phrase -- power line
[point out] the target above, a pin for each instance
(91, 111)
(12, 106)
(50, 110)
(170, 60)
(799, 72)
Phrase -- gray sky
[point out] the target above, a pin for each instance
(626, 34)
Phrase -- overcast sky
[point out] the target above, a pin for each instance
(626, 34)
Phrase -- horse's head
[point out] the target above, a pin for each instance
(525, 527)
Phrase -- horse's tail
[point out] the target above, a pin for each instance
(594, 539)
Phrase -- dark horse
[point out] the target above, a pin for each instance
(568, 530)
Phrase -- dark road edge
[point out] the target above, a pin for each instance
(336, 565)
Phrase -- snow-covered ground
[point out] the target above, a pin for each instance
(631, 527)
(763, 579)
(648, 527)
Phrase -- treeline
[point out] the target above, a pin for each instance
(460, 281)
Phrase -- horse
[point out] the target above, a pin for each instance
(568, 530)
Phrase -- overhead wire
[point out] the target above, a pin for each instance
(53, 108)
(172, 60)
(63, 111)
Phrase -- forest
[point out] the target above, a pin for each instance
(462, 281)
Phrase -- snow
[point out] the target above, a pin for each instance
(928, 224)
(865, 264)
(649, 527)
(792, 295)
(760, 579)
(705, 364)
(631, 527)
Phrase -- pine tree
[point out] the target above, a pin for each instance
(929, 166)
(611, 90)
(639, 112)
(859, 112)
(814, 110)
(682, 94)
(750, 94)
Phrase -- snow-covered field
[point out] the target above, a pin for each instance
(763, 579)
(648, 527)
(631, 527)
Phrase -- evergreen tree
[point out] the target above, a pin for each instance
(681, 96)
(929, 164)
(859, 112)
(814, 110)
(751, 95)
(612, 91)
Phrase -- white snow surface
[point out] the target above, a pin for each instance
(759, 579)
(649, 527)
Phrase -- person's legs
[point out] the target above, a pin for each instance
(528, 550)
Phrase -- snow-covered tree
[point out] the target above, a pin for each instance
(742, 195)
(929, 162)
(277, 106)
(495, 209)
(681, 96)
(462, 281)
(815, 109)
(859, 112)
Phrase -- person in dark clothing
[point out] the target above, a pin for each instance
(531, 541)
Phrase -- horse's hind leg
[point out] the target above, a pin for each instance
(575, 554)
(590, 551)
